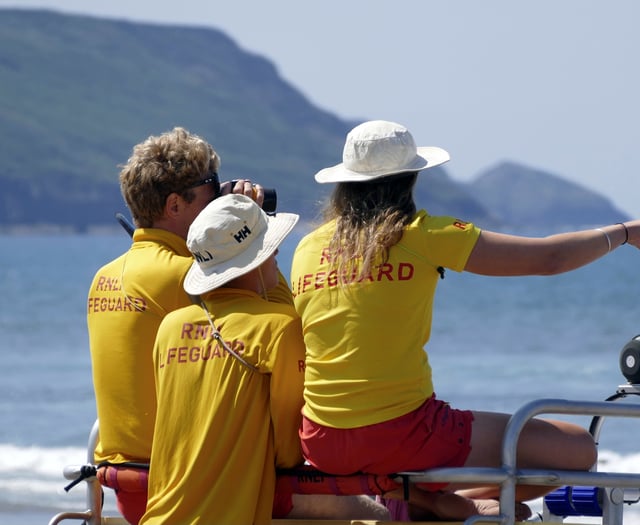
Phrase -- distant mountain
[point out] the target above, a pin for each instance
(439, 194)
(77, 93)
(526, 198)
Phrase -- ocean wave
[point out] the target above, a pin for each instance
(43, 461)
(31, 479)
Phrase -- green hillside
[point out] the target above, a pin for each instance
(76, 93)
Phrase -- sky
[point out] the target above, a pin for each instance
(551, 84)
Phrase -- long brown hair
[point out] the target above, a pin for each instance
(370, 217)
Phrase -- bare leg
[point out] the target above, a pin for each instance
(445, 505)
(327, 506)
(543, 443)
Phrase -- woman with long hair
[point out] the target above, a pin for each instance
(364, 284)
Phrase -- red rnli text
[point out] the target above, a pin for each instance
(108, 296)
(329, 279)
(192, 352)
(119, 303)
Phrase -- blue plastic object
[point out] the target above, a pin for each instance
(587, 501)
(559, 502)
(575, 501)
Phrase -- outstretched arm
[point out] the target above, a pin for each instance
(499, 254)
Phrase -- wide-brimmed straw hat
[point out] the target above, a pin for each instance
(231, 237)
(379, 148)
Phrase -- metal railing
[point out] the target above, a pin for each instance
(508, 476)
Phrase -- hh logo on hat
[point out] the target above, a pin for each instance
(242, 234)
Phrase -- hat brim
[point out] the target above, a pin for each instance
(198, 281)
(427, 157)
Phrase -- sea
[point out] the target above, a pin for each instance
(497, 343)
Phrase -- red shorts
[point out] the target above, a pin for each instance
(282, 501)
(433, 435)
(130, 485)
(131, 505)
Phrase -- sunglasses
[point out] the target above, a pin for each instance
(212, 179)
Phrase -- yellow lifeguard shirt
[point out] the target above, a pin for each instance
(365, 357)
(127, 300)
(222, 429)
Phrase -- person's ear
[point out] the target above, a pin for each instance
(173, 205)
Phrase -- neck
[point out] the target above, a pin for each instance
(171, 226)
(249, 281)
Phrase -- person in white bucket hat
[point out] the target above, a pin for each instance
(232, 237)
(229, 379)
(364, 284)
(378, 149)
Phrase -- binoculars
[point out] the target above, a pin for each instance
(270, 198)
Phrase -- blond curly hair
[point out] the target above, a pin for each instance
(169, 163)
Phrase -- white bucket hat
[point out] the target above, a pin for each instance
(379, 148)
(229, 238)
